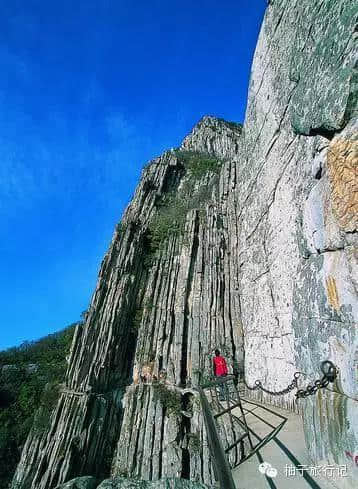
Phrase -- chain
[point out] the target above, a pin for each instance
(329, 375)
(329, 371)
(290, 387)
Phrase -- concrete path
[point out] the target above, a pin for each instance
(286, 452)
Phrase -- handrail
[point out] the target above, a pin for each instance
(220, 462)
(216, 381)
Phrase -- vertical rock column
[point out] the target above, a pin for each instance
(191, 312)
(86, 422)
(169, 310)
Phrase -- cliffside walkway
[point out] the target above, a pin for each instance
(286, 452)
(245, 436)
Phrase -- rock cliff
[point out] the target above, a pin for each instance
(245, 239)
(125, 483)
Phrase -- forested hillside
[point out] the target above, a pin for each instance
(25, 371)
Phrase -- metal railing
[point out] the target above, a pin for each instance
(220, 462)
(224, 390)
(227, 387)
(225, 397)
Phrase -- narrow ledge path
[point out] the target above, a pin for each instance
(286, 452)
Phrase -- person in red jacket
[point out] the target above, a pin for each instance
(220, 366)
(220, 370)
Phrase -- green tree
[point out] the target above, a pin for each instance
(24, 400)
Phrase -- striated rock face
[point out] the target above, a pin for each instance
(86, 482)
(163, 301)
(243, 239)
(122, 483)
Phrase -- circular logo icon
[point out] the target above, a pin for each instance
(267, 469)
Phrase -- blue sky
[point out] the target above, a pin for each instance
(89, 92)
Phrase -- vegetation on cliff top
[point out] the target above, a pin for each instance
(29, 379)
(198, 164)
(194, 193)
